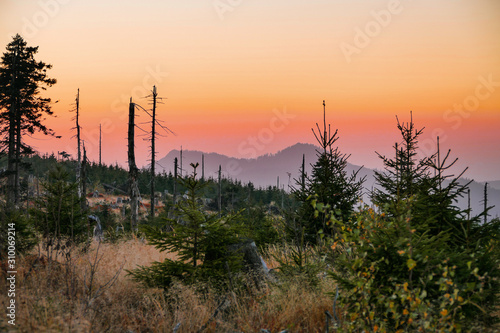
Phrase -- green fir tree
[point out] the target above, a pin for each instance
(331, 185)
(200, 240)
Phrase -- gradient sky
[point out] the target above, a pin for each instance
(245, 78)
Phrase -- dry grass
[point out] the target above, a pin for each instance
(56, 297)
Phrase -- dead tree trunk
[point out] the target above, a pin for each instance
(83, 199)
(133, 170)
(180, 170)
(79, 165)
(485, 201)
(175, 180)
(153, 153)
(219, 194)
(202, 166)
(468, 204)
(100, 144)
(303, 174)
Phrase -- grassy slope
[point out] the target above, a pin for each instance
(49, 300)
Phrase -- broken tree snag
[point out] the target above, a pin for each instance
(252, 261)
(79, 151)
(251, 257)
(133, 171)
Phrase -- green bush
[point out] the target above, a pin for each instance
(25, 235)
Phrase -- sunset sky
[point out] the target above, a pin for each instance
(248, 77)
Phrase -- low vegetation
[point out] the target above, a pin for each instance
(57, 296)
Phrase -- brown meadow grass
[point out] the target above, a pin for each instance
(61, 297)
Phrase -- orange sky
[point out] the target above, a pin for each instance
(248, 77)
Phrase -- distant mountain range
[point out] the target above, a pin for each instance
(283, 168)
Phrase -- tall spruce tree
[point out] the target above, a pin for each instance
(433, 193)
(21, 107)
(329, 182)
(404, 174)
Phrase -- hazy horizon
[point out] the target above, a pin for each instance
(248, 78)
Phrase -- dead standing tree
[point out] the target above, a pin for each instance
(76, 118)
(133, 170)
(100, 144)
(85, 162)
(154, 95)
(152, 138)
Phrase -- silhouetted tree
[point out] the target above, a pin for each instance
(21, 107)
(433, 193)
(329, 183)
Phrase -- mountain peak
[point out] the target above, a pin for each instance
(262, 171)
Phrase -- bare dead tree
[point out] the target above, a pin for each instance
(175, 179)
(152, 138)
(100, 144)
(153, 151)
(202, 166)
(303, 173)
(485, 202)
(219, 192)
(83, 199)
(76, 118)
(133, 170)
(180, 170)
(468, 204)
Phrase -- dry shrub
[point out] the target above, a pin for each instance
(54, 297)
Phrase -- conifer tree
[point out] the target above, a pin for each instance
(58, 217)
(199, 238)
(329, 183)
(21, 107)
(433, 193)
(420, 262)
(417, 195)
(404, 174)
